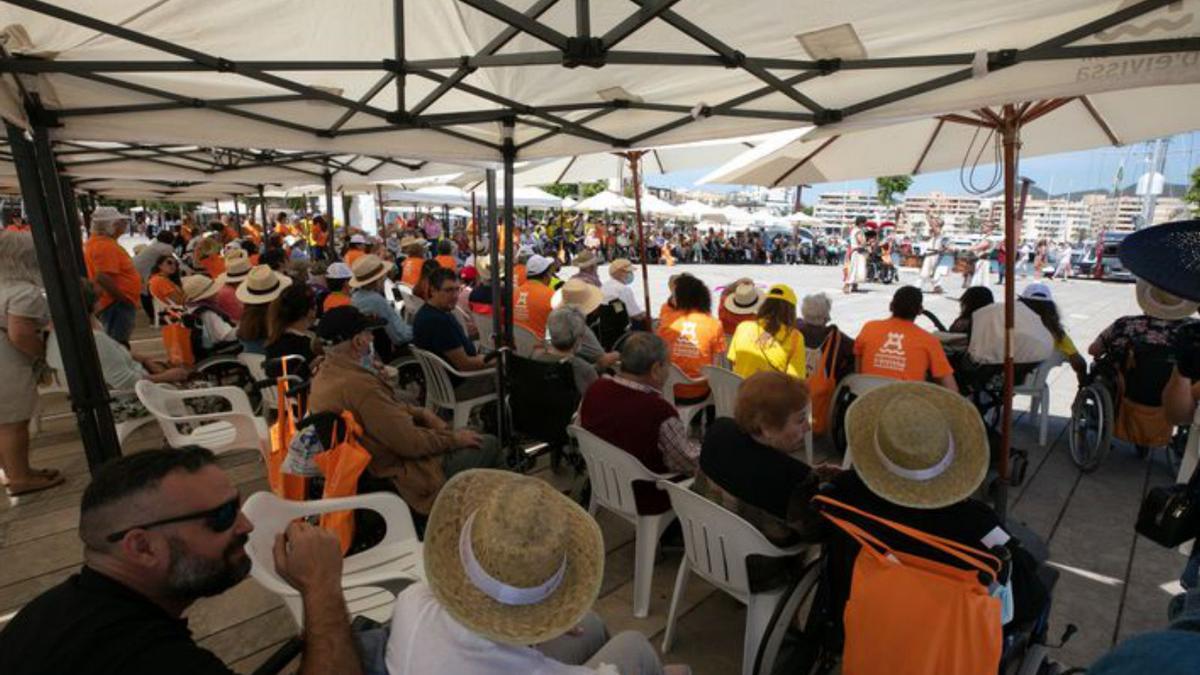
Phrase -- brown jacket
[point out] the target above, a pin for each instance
(408, 454)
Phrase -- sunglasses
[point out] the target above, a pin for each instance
(218, 519)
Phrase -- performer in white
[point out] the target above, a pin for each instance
(932, 272)
(1062, 269)
(855, 270)
(983, 261)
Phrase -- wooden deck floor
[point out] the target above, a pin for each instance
(1113, 583)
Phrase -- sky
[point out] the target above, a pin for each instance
(1073, 171)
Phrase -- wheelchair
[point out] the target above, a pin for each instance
(542, 400)
(1137, 376)
(880, 270)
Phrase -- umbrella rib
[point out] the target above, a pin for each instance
(804, 161)
(1100, 121)
(928, 145)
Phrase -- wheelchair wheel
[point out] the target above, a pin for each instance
(1091, 427)
(843, 397)
(1176, 449)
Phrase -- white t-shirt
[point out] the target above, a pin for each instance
(424, 639)
(617, 290)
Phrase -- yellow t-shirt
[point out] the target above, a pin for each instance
(1066, 347)
(752, 350)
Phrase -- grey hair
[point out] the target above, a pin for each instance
(641, 351)
(815, 308)
(17, 259)
(104, 228)
(566, 326)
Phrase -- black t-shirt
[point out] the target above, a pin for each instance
(92, 624)
(754, 473)
(439, 332)
(290, 344)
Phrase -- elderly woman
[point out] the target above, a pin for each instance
(23, 316)
(567, 330)
(746, 463)
(815, 311)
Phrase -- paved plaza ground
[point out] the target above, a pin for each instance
(1113, 583)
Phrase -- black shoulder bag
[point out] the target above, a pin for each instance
(1170, 515)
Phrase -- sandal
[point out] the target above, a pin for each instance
(43, 473)
(36, 484)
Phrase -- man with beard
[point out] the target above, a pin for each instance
(161, 529)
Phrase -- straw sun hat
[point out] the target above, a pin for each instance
(1160, 304)
(917, 444)
(579, 294)
(510, 558)
(367, 269)
(745, 299)
(197, 287)
(262, 285)
(237, 268)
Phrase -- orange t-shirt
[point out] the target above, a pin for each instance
(900, 350)
(693, 339)
(104, 255)
(352, 255)
(335, 300)
(531, 306)
(410, 271)
(447, 261)
(165, 290)
(252, 234)
(667, 313)
(520, 275)
(229, 234)
(214, 265)
(319, 237)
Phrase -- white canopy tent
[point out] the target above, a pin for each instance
(698, 211)
(655, 206)
(606, 201)
(524, 197)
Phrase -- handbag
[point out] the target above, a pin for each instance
(917, 615)
(1170, 515)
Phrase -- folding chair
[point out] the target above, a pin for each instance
(439, 391)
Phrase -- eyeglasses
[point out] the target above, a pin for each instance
(450, 289)
(218, 519)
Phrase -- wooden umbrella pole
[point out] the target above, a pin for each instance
(1011, 134)
(634, 161)
(473, 224)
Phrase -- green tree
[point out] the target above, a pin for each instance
(573, 189)
(887, 187)
(973, 223)
(1192, 196)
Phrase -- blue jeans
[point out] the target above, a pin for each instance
(117, 320)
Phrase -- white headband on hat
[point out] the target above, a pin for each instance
(496, 589)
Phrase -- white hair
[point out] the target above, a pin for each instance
(815, 308)
(18, 261)
(566, 326)
(104, 228)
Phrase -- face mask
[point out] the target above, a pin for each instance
(368, 360)
(629, 280)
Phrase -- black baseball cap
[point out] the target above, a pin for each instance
(342, 323)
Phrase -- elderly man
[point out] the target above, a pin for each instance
(435, 329)
(111, 268)
(587, 262)
(162, 529)
(532, 298)
(410, 446)
(143, 262)
(900, 349)
(369, 272)
(620, 273)
(629, 411)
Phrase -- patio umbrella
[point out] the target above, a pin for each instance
(656, 206)
(697, 210)
(606, 201)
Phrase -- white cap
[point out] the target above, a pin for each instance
(537, 264)
(1037, 291)
(358, 239)
(338, 270)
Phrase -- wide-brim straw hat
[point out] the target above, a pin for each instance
(745, 299)
(411, 242)
(1162, 304)
(586, 259)
(262, 285)
(498, 534)
(1165, 256)
(917, 444)
(579, 294)
(367, 270)
(237, 268)
(197, 287)
(619, 266)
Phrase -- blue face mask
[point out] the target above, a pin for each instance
(629, 280)
(368, 360)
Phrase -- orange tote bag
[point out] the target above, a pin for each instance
(342, 465)
(908, 615)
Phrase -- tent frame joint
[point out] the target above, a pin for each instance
(585, 51)
(827, 116)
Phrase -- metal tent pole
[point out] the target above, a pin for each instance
(237, 216)
(217, 203)
(75, 231)
(329, 201)
(1010, 130)
(506, 298)
(262, 207)
(635, 158)
(50, 225)
(379, 202)
(473, 224)
(494, 254)
(347, 200)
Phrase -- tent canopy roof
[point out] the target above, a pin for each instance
(325, 78)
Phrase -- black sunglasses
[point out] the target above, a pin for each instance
(218, 519)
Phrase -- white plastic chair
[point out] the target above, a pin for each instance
(724, 384)
(525, 341)
(483, 322)
(612, 472)
(686, 412)
(398, 556)
(57, 386)
(254, 364)
(1037, 388)
(439, 391)
(412, 304)
(717, 544)
(858, 384)
(235, 429)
